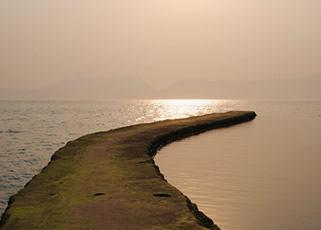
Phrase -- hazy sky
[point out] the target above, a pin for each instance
(161, 41)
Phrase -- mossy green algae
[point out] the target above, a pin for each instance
(108, 180)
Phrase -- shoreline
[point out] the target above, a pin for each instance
(109, 179)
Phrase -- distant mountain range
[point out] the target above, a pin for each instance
(309, 88)
(84, 89)
(136, 88)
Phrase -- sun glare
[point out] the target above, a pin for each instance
(181, 108)
(186, 102)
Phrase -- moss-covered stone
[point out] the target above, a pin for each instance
(108, 180)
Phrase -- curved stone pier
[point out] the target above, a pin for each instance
(108, 180)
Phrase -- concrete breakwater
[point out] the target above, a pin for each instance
(108, 180)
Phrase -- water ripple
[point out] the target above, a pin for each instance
(31, 131)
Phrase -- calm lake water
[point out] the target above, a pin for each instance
(264, 174)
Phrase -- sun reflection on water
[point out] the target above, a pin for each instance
(181, 108)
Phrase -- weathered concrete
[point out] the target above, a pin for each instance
(108, 180)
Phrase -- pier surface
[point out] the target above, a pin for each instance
(108, 180)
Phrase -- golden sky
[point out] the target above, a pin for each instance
(160, 41)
